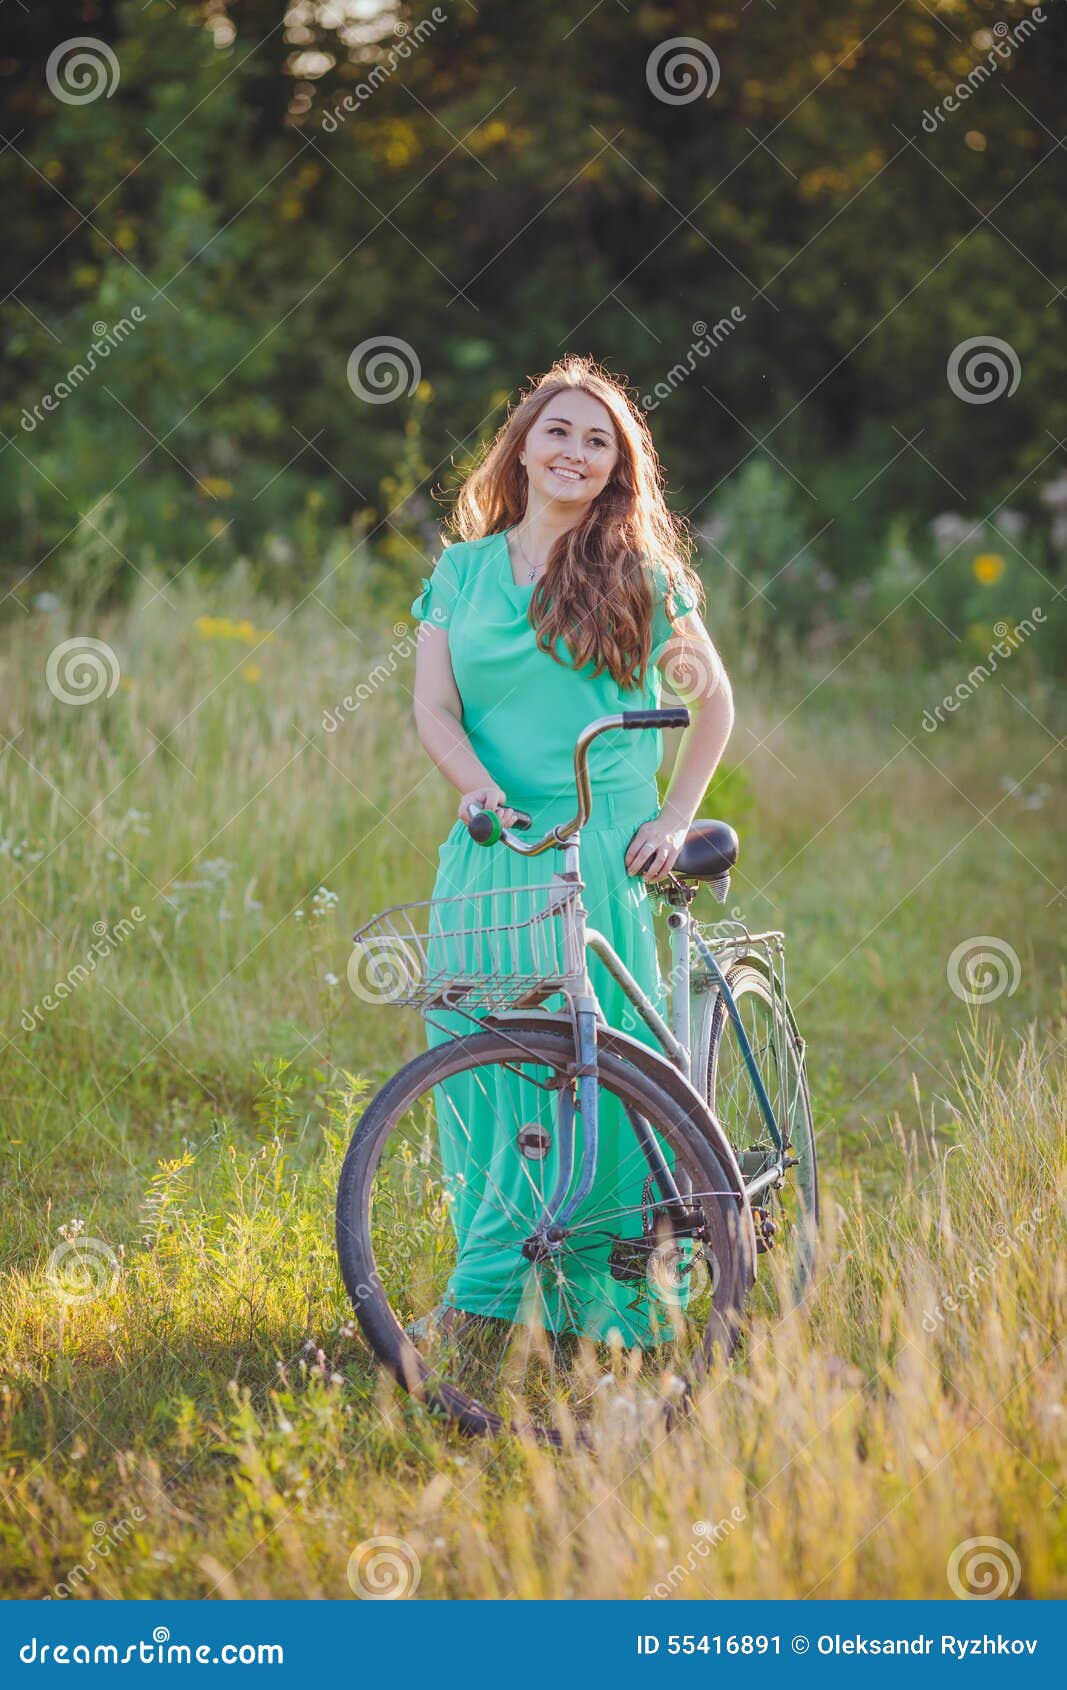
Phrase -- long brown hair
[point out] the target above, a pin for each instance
(600, 572)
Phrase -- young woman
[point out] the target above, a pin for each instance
(560, 603)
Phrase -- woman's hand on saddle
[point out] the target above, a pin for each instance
(654, 848)
(488, 797)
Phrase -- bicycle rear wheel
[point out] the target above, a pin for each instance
(637, 1287)
(793, 1204)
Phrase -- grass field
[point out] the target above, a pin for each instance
(201, 1418)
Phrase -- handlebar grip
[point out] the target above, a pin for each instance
(676, 717)
(484, 826)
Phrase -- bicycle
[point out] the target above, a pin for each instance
(712, 1173)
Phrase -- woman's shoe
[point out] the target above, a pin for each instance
(438, 1320)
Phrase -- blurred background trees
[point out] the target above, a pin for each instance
(506, 185)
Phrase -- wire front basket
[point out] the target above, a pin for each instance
(507, 947)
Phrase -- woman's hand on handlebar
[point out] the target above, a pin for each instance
(488, 797)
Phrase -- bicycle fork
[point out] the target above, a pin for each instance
(552, 1228)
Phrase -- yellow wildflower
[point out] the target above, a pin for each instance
(988, 568)
(252, 672)
(222, 628)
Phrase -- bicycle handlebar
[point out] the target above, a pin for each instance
(676, 717)
(484, 825)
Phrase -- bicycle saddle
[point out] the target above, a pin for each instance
(710, 850)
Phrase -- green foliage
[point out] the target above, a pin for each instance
(264, 233)
(936, 591)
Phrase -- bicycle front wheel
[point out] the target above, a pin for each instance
(437, 1223)
(791, 1207)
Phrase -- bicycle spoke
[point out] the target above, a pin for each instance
(791, 1203)
(496, 1316)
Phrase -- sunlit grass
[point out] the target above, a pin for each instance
(211, 1416)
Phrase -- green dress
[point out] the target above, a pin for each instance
(522, 712)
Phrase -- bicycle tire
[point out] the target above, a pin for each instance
(381, 1323)
(749, 980)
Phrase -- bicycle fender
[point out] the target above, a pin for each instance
(659, 1069)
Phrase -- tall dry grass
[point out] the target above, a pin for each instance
(209, 1423)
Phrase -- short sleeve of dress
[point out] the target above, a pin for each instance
(439, 592)
(682, 599)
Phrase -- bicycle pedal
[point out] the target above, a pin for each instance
(649, 1259)
(629, 1259)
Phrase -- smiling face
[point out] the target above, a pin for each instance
(571, 450)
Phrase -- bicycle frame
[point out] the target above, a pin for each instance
(687, 986)
(675, 1038)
